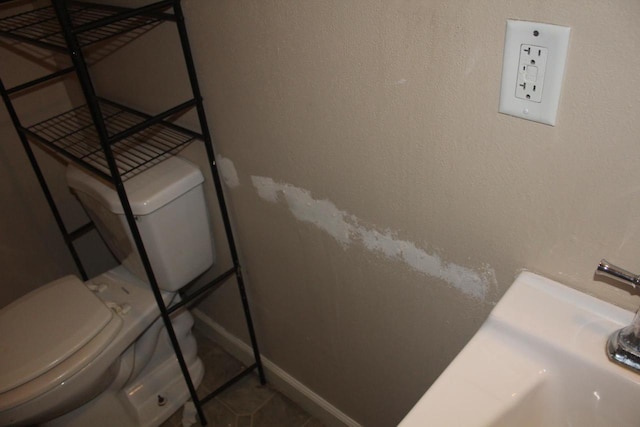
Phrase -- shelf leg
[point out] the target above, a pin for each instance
(41, 180)
(188, 57)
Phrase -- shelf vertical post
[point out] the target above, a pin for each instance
(41, 180)
(92, 102)
(195, 87)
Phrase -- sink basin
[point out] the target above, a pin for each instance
(538, 360)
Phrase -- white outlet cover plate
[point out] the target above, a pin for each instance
(556, 40)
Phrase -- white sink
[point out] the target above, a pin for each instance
(538, 360)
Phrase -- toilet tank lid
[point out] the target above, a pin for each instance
(147, 191)
(45, 327)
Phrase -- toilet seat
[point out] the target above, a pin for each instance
(38, 353)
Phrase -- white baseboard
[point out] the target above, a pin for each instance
(288, 385)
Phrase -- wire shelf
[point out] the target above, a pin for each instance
(41, 26)
(74, 135)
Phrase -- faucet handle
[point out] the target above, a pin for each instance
(605, 268)
(623, 346)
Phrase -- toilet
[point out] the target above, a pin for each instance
(97, 353)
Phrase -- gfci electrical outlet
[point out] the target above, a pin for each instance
(532, 70)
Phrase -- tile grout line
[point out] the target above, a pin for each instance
(263, 404)
(307, 421)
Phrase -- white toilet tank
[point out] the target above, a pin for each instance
(168, 203)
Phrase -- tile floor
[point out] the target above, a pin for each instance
(245, 404)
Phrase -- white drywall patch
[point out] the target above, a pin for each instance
(267, 188)
(468, 281)
(321, 213)
(346, 229)
(228, 172)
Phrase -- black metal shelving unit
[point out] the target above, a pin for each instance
(104, 137)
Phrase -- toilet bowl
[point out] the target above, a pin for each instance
(97, 353)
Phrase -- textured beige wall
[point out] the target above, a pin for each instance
(382, 204)
(388, 111)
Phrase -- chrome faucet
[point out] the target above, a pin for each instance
(623, 346)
